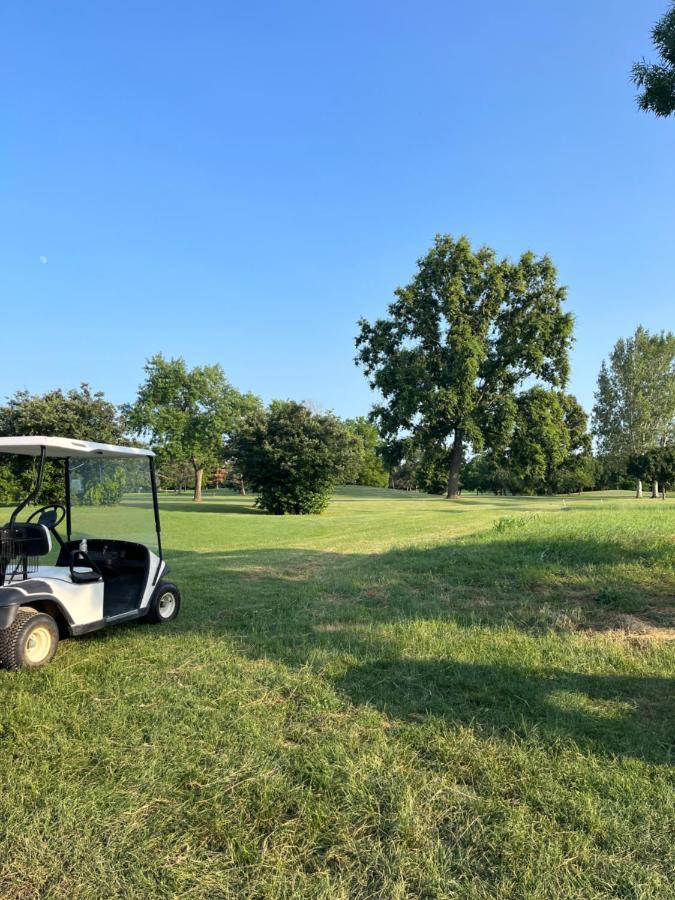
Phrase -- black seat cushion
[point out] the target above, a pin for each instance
(26, 539)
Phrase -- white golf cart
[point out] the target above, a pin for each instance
(94, 581)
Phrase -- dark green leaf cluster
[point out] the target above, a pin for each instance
(656, 464)
(658, 79)
(77, 413)
(293, 457)
(187, 413)
(370, 469)
(548, 450)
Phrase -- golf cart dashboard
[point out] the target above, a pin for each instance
(109, 556)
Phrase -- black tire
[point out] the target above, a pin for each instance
(30, 641)
(164, 608)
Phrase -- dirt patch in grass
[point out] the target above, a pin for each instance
(616, 610)
(623, 625)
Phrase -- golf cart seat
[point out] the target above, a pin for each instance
(25, 539)
(21, 544)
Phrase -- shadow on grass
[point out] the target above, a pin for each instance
(305, 607)
(617, 715)
(523, 582)
(231, 505)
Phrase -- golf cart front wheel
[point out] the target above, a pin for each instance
(165, 604)
(30, 641)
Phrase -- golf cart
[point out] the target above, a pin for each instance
(86, 582)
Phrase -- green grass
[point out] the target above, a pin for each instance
(404, 697)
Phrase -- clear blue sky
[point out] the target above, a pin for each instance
(240, 182)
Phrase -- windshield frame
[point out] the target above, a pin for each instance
(34, 493)
(152, 484)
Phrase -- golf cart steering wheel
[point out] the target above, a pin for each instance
(50, 516)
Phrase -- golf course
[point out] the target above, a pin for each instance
(405, 697)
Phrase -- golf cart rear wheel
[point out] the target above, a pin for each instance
(30, 641)
(165, 604)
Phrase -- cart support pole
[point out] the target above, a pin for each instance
(36, 489)
(155, 504)
(68, 519)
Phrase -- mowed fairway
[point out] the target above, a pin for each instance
(404, 697)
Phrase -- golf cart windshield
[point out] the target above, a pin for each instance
(112, 498)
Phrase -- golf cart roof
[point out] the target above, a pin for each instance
(62, 447)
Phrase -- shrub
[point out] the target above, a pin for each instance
(293, 457)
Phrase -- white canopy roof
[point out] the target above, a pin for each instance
(62, 447)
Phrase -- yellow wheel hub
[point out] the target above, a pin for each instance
(38, 645)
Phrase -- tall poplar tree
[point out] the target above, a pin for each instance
(635, 398)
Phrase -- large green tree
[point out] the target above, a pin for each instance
(294, 457)
(458, 341)
(78, 413)
(577, 471)
(549, 449)
(635, 397)
(657, 80)
(188, 414)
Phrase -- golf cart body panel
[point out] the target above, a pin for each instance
(95, 581)
(83, 606)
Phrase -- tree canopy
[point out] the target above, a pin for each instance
(657, 80)
(656, 465)
(635, 397)
(457, 342)
(550, 442)
(188, 413)
(548, 450)
(370, 469)
(78, 413)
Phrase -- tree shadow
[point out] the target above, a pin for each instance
(616, 715)
(228, 505)
(532, 583)
(356, 618)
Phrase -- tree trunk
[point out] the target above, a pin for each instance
(655, 489)
(242, 486)
(638, 490)
(455, 466)
(199, 474)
